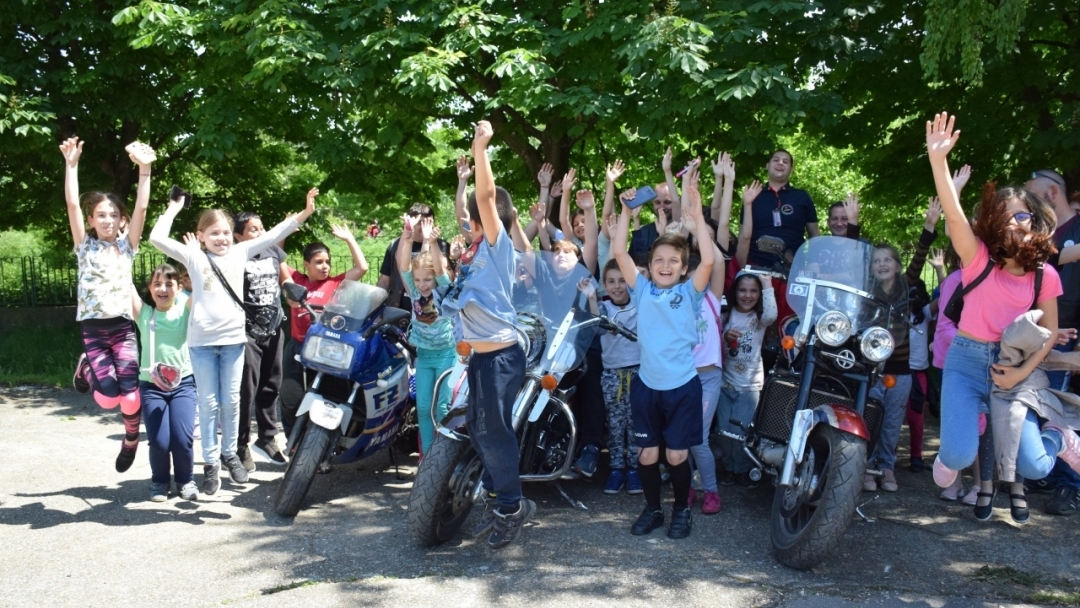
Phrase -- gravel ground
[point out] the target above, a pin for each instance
(75, 532)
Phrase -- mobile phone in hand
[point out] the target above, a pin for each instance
(176, 193)
(644, 195)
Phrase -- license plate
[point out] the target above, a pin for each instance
(326, 415)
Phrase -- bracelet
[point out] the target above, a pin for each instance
(144, 175)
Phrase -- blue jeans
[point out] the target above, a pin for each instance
(1038, 449)
(1059, 380)
(894, 403)
(218, 371)
(965, 391)
(740, 405)
(170, 425)
(701, 455)
(429, 365)
(494, 381)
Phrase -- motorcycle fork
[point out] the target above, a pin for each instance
(803, 424)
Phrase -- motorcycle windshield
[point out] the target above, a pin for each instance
(852, 277)
(549, 291)
(354, 300)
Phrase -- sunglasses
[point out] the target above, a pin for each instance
(1044, 174)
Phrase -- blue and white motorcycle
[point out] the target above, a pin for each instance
(359, 400)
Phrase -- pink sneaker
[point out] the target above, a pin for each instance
(953, 492)
(972, 497)
(711, 505)
(943, 475)
(1070, 446)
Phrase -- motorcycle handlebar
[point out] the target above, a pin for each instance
(614, 328)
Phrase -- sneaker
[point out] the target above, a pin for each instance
(633, 482)
(244, 454)
(744, 480)
(943, 475)
(267, 448)
(888, 480)
(680, 524)
(125, 457)
(726, 478)
(159, 492)
(916, 465)
(487, 518)
(648, 521)
(1065, 501)
(508, 526)
(869, 483)
(1070, 446)
(189, 491)
(81, 379)
(1038, 486)
(615, 482)
(586, 463)
(972, 497)
(711, 504)
(236, 468)
(953, 492)
(211, 482)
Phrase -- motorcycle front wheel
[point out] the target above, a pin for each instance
(298, 477)
(809, 519)
(441, 497)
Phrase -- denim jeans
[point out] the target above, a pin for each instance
(740, 405)
(494, 381)
(965, 391)
(1038, 450)
(170, 425)
(701, 455)
(429, 365)
(894, 405)
(218, 371)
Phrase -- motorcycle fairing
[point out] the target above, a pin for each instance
(384, 401)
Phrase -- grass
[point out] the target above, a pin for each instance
(1009, 576)
(33, 355)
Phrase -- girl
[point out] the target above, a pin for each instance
(320, 285)
(430, 332)
(752, 302)
(1012, 236)
(105, 252)
(169, 399)
(216, 331)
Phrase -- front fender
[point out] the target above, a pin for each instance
(842, 418)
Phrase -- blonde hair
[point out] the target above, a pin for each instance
(423, 261)
(212, 216)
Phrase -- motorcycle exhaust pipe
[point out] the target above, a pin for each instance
(571, 448)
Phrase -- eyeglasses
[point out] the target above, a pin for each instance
(1022, 216)
(1044, 173)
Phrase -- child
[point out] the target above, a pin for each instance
(752, 304)
(168, 398)
(430, 332)
(321, 286)
(497, 367)
(216, 332)
(105, 252)
(666, 397)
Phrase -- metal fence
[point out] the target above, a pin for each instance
(29, 282)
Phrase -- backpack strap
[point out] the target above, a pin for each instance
(965, 289)
(1038, 285)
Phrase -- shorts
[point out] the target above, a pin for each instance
(673, 415)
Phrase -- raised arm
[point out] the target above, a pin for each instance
(673, 192)
(286, 227)
(565, 224)
(430, 233)
(528, 257)
(724, 170)
(359, 262)
(749, 194)
(587, 203)
(691, 203)
(403, 254)
(538, 212)
(159, 235)
(544, 177)
(926, 240)
(136, 303)
(142, 196)
(619, 247)
(937, 260)
(461, 212)
(611, 175)
(940, 140)
(72, 150)
(586, 287)
(851, 210)
(485, 183)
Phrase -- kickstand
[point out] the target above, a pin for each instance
(858, 509)
(577, 504)
(393, 461)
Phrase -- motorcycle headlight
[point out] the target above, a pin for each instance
(833, 328)
(328, 352)
(877, 344)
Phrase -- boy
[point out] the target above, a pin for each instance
(665, 397)
(497, 367)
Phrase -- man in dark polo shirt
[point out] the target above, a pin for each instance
(1049, 185)
(642, 239)
(781, 211)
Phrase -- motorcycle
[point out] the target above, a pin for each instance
(815, 423)
(555, 330)
(359, 399)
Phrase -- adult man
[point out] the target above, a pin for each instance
(389, 277)
(1049, 185)
(642, 239)
(781, 211)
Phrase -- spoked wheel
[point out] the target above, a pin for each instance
(810, 518)
(442, 495)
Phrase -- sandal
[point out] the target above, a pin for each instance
(1020, 515)
(985, 512)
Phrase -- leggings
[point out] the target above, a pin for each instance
(113, 355)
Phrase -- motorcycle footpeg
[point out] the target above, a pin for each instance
(755, 474)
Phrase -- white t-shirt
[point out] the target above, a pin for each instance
(707, 349)
(744, 369)
(919, 355)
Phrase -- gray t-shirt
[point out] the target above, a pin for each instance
(617, 350)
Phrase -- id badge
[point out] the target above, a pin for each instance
(776, 217)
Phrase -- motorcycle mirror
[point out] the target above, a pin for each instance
(296, 293)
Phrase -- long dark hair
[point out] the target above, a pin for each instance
(733, 295)
(1028, 248)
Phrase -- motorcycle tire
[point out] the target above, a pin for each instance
(806, 529)
(434, 515)
(301, 472)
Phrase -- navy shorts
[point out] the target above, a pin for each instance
(674, 415)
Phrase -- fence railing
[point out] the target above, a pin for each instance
(29, 282)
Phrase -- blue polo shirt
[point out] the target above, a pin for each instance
(796, 211)
(667, 332)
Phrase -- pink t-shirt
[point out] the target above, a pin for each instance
(946, 329)
(707, 350)
(996, 302)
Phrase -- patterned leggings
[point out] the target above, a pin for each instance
(113, 355)
(616, 386)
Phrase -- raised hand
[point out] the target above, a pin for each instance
(406, 227)
(615, 171)
(309, 204)
(961, 176)
(426, 228)
(665, 164)
(341, 231)
(851, 208)
(483, 134)
(72, 150)
(751, 192)
(933, 212)
(940, 136)
(457, 247)
(544, 176)
(569, 180)
(613, 222)
(724, 166)
(586, 287)
(936, 257)
(538, 212)
(628, 195)
(556, 189)
(464, 171)
(661, 222)
(585, 200)
(692, 208)
(190, 239)
(141, 154)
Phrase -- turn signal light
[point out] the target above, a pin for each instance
(889, 381)
(549, 382)
(788, 342)
(463, 349)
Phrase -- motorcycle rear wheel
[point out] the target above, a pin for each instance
(808, 525)
(301, 472)
(441, 497)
